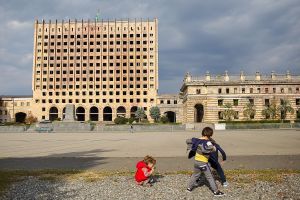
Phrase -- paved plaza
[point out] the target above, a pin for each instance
(245, 148)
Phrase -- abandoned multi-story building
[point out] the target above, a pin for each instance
(105, 68)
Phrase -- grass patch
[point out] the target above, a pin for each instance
(7, 177)
(239, 176)
(245, 176)
(91, 176)
(250, 176)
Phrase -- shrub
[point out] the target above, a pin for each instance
(256, 121)
(131, 120)
(164, 119)
(145, 121)
(10, 123)
(121, 120)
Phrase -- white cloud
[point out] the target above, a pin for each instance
(19, 25)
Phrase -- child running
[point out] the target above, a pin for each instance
(145, 169)
(203, 147)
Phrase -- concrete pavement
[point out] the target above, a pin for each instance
(245, 148)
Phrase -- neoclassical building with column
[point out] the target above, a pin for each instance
(204, 97)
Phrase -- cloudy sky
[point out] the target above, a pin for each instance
(194, 35)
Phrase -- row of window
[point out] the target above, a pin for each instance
(168, 101)
(5, 104)
(251, 90)
(111, 50)
(78, 36)
(251, 101)
(96, 86)
(84, 71)
(131, 64)
(91, 93)
(95, 101)
(22, 104)
(99, 28)
(104, 57)
(258, 90)
(96, 79)
(78, 43)
(236, 115)
(104, 64)
(235, 102)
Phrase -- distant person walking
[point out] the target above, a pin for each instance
(131, 128)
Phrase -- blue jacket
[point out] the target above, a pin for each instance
(204, 147)
(214, 155)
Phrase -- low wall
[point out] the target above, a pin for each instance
(138, 128)
(199, 126)
(71, 127)
(262, 125)
(12, 129)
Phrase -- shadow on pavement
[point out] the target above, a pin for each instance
(73, 160)
(87, 161)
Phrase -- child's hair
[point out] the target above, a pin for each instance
(207, 131)
(149, 159)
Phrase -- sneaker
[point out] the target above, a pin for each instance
(225, 184)
(218, 194)
(151, 181)
(189, 189)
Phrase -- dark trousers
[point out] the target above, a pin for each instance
(217, 166)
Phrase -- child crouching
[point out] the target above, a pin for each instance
(145, 169)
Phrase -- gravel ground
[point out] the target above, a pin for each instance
(167, 187)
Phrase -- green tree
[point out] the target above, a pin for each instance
(270, 111)
(155, 113)
(284, 108)
(228, 113)
(249, 111)
(140, 113)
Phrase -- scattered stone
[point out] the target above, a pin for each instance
(167, 187)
